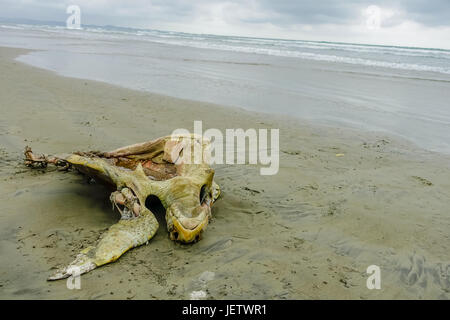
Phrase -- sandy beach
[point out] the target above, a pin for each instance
(342, 200)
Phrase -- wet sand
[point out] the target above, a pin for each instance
(309, 232)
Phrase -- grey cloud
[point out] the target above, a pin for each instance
(432, 13)
(281, 13)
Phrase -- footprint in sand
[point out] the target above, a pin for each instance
(424, 181)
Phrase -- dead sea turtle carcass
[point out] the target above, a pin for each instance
(162, 168)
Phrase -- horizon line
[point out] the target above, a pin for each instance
(223, 35)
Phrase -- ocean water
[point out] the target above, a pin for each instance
(399, 90)
(396, 57)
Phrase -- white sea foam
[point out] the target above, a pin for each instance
(312, 56)
(14, 27)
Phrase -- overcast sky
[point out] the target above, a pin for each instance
(396, 22)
